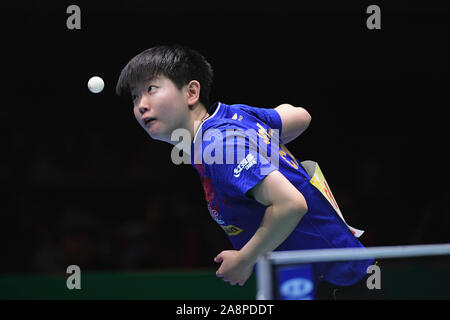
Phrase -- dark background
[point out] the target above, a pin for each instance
(83, 184)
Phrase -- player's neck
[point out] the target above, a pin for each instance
(199, 114)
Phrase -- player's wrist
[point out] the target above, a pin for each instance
(249, 256)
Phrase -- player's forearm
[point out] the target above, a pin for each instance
(278, 223)
(294, 121)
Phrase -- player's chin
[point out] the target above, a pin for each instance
(157, 135)
(154, 136)
(153, 132)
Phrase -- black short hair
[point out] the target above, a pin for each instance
(179, 63)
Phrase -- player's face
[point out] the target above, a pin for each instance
(160, 107)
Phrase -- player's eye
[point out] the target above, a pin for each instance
(150, 88)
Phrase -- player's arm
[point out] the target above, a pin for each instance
(285, 207)
(294, 121)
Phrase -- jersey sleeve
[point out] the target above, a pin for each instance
(246, 161)
(269, 116)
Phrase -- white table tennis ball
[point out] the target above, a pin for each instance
(96, 84)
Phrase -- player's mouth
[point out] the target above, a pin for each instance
(148, 121)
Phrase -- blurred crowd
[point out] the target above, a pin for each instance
(101, 205)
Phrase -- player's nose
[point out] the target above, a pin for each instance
(143, 107)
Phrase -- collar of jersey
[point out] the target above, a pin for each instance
(210, 117)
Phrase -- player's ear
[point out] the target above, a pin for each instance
(193, 92)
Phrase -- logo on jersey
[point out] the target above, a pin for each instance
(235, 117)
(215, 215)
(231, 230)
(246, 164)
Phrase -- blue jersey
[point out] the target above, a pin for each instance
(228, 153)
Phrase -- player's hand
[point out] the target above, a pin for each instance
(234, 268)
